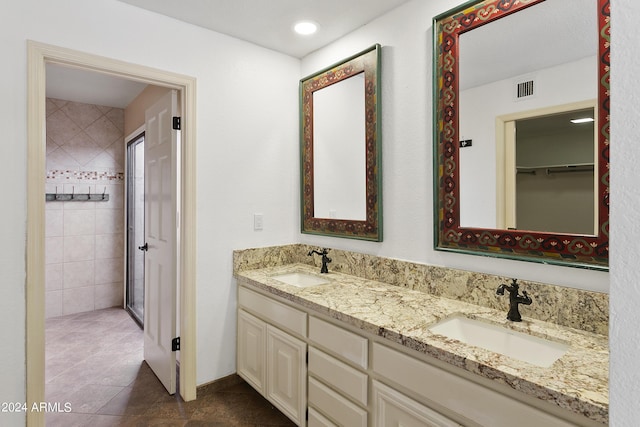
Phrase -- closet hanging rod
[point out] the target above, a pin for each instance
(555, 169)
(569, 169)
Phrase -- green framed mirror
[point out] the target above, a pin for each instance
(340, 149)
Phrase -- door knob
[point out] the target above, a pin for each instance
(144, 247)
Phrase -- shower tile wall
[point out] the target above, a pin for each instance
(84, 240)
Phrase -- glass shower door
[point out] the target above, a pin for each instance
(135, 228)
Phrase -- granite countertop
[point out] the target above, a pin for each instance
(578, 381)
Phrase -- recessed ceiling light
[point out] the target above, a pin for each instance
(305, 27)
(583, 120)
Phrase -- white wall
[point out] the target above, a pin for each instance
(407, 137)
(247, 120)
(625, 215)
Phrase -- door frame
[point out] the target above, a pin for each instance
(38, 55)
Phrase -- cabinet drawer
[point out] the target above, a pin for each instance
(395, 409)
(341, 376)
(317, 420)
(484, 406)
(339, 341)
(273, 311)
(342, 411)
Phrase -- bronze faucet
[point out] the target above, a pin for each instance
(325, 259)
(514, 300)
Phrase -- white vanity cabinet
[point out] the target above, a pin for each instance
(269, 356)
(323, 372)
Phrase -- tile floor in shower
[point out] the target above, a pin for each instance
(94, 362)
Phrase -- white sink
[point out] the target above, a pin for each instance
(301, 280)
(517, 345)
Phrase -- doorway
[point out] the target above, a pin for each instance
(38, 56)
(134, 287)
(547, 157)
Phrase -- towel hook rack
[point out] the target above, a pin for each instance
(77, 197)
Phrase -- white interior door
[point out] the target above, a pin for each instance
(160, 244)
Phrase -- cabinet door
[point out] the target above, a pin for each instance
(393, 409)
(287, 374)
(251, 355)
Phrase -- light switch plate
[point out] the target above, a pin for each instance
(257, 221)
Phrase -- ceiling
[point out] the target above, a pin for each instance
(559, 123)
(90, 87)
(267, 23)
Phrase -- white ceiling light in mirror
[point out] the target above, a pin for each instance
(583, 120)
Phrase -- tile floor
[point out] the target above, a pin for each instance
(94, 363)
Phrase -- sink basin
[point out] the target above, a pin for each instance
(517, 345)
(301, 280)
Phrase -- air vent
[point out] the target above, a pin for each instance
(524, 89)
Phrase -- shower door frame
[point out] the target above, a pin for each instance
(132, 249)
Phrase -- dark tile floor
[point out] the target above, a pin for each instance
(94, 362)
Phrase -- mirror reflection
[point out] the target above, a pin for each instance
(525, 61)
(510, 181)
(339, 188)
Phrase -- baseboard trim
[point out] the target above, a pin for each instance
(219, 384)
